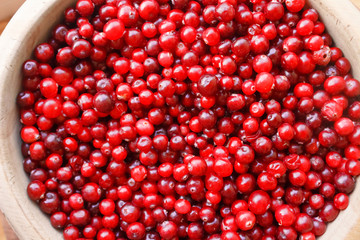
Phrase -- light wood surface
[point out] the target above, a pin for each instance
(8, 8)
(2, 234)
(356, 3)
(3, 25)
(29, 26)
(340, 18)
(6, 232)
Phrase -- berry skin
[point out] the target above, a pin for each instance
(114, 29)
(182, 206)
(264, 82)
(149, 10)
(207, 85)
(245, 220)
(36, 190)
(294, 5)
(259, 202)
(344, 126)
(211, 36)
(341, 201)
(150, 119)
(334, 85)
(285, 215)
(331, 111)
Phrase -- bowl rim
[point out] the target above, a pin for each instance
(26, 28)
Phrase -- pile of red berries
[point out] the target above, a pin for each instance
(209, 119)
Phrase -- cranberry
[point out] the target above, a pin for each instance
(211, 36)
(149, 10)
(329, 212)
(135, 231)
(145, 120)
(274, 11)
(168, 229)
(264, 82)
(36, 190)
(295, 5)
(245, 220)
(207, 85)
(285, 215)
(259, 202)
(334, 85)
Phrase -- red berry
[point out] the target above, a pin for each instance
(114, 29)
(245, 220)
(264, 82)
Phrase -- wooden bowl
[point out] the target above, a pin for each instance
(31, 25)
